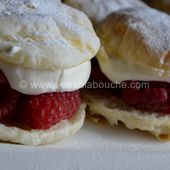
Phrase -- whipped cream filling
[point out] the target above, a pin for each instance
(116, 70)
(34, 82)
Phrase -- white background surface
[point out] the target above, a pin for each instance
(93, 148)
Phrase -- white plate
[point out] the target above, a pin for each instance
(93, 148)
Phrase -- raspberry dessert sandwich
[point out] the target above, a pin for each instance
(45, 53)
(98, 10)
(135, 53)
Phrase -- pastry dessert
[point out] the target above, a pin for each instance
(135, 54)
(98, 10)
(45, 53)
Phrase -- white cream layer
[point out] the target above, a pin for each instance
(116, 70)
(33, 82)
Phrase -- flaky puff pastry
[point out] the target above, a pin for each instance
(138, 37)
(45, 35)
(163, 5)
(98, 10)
(103, 107)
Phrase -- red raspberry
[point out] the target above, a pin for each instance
(96, 74)
(43, 111)
(150, 99)
(150, 96)
(8, 103)
(3, 79)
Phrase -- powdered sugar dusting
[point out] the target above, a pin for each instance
(98, 10)
(52, 35)
(28, 6)
(153, 28)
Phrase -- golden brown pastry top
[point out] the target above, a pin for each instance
(139, 36)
